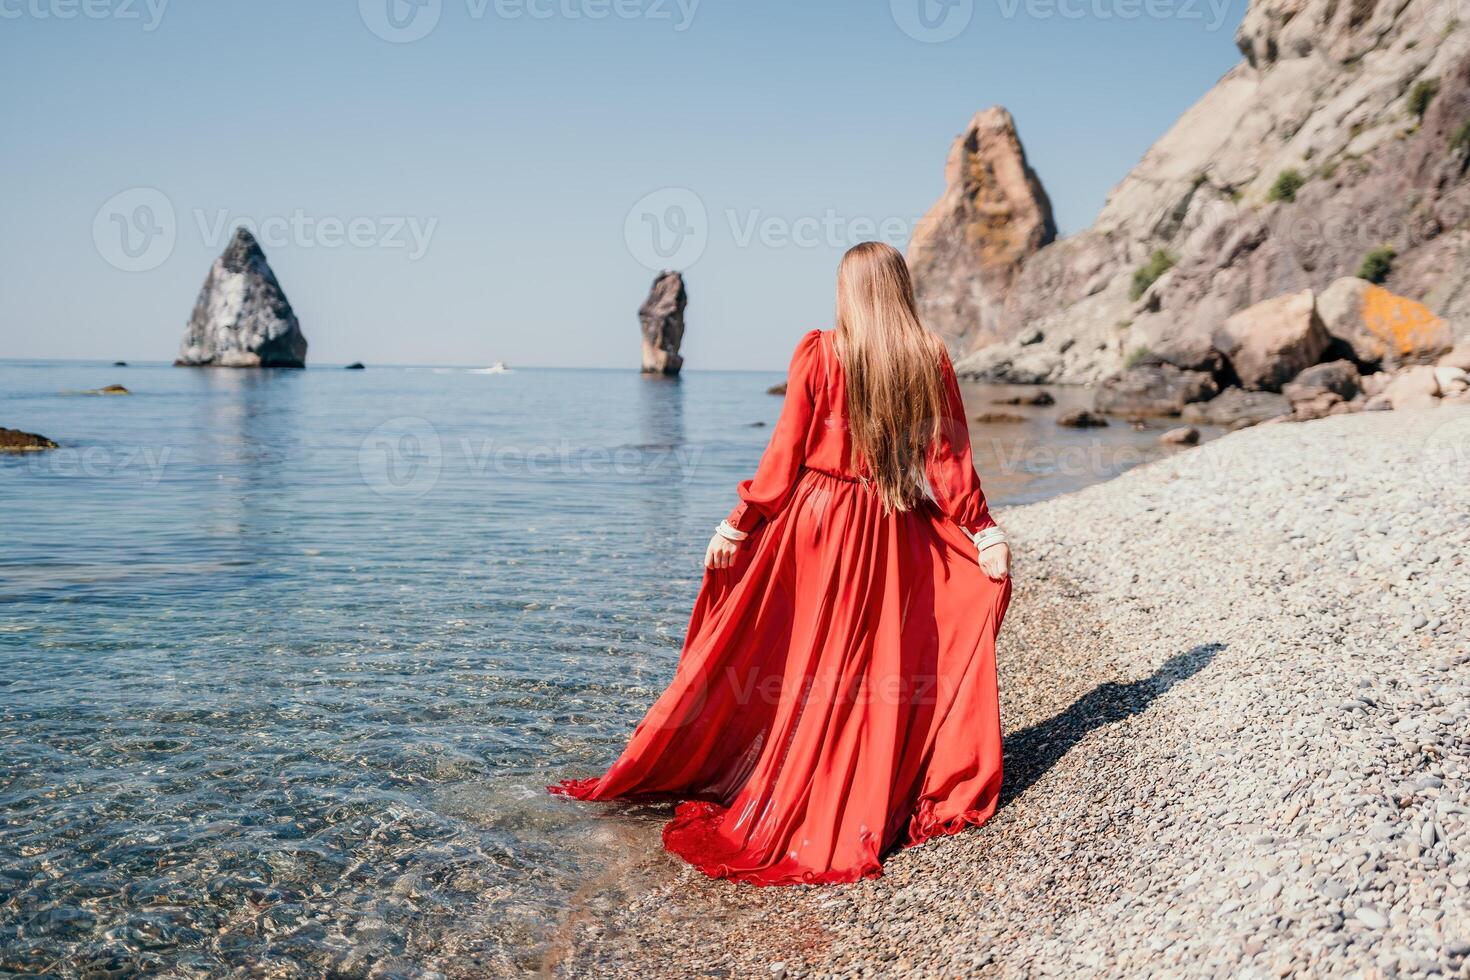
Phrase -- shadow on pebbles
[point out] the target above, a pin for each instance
(1235, 697)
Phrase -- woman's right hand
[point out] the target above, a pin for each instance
(995, 560)
(720, 553)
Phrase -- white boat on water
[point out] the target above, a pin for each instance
(497, 368)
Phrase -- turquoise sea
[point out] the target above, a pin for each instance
(288, 656)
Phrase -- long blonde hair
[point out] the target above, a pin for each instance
(895, 384)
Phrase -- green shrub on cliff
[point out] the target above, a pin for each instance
(1148, 273)
(1377, 264)
(1137, 356)
(1461, 138)
(1421, 95)
(1288, 182)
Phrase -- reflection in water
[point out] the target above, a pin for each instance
(251, 428)
(666, 460)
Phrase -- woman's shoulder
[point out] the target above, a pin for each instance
(809, 346)
(806, 359)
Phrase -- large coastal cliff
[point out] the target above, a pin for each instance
(1339, 146)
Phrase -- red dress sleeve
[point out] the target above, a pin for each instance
(780, 467)
(951, 470)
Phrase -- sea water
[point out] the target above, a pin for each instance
(288, 657)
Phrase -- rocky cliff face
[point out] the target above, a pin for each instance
(242, 318)
(1340, 145)
(662, 318)
(967, 251)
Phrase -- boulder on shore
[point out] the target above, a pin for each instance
(1236, 408)
(242, 317)
(1321, 388)
(1340, 378)
(16, 441)
(1382, 328)
(968, 249)
(662, 319)
(1273, 341)
(1415, 387)
(1458, 358)
(1153, 390)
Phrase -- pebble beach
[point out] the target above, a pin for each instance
(1235, 687)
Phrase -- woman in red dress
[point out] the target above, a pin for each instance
(836, 696)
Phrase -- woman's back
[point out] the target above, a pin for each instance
(829, 437)
(835, 697)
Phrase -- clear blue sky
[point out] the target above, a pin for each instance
(516, 139)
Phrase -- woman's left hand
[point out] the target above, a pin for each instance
(720, 553)
(995, 560)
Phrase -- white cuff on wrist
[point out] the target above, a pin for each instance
(727, 531)
(991, 535)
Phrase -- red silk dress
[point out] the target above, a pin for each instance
(836, 696)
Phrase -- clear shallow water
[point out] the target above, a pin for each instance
(286, 658)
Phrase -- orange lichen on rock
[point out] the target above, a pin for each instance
(1404, 326)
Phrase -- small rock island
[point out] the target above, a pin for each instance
(662, 318)
(242, 317)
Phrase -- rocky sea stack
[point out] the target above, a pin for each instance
(662, 318)
(967, 251)
(242, 317)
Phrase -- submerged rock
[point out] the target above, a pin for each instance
(998, 418)
(1185, 435)
(662, 318)
(110, 390)
(1082, 419)
(16, 441)
(242, 318)
(779, 389)
(968, 250)
(1040, 398)
(356, 366)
